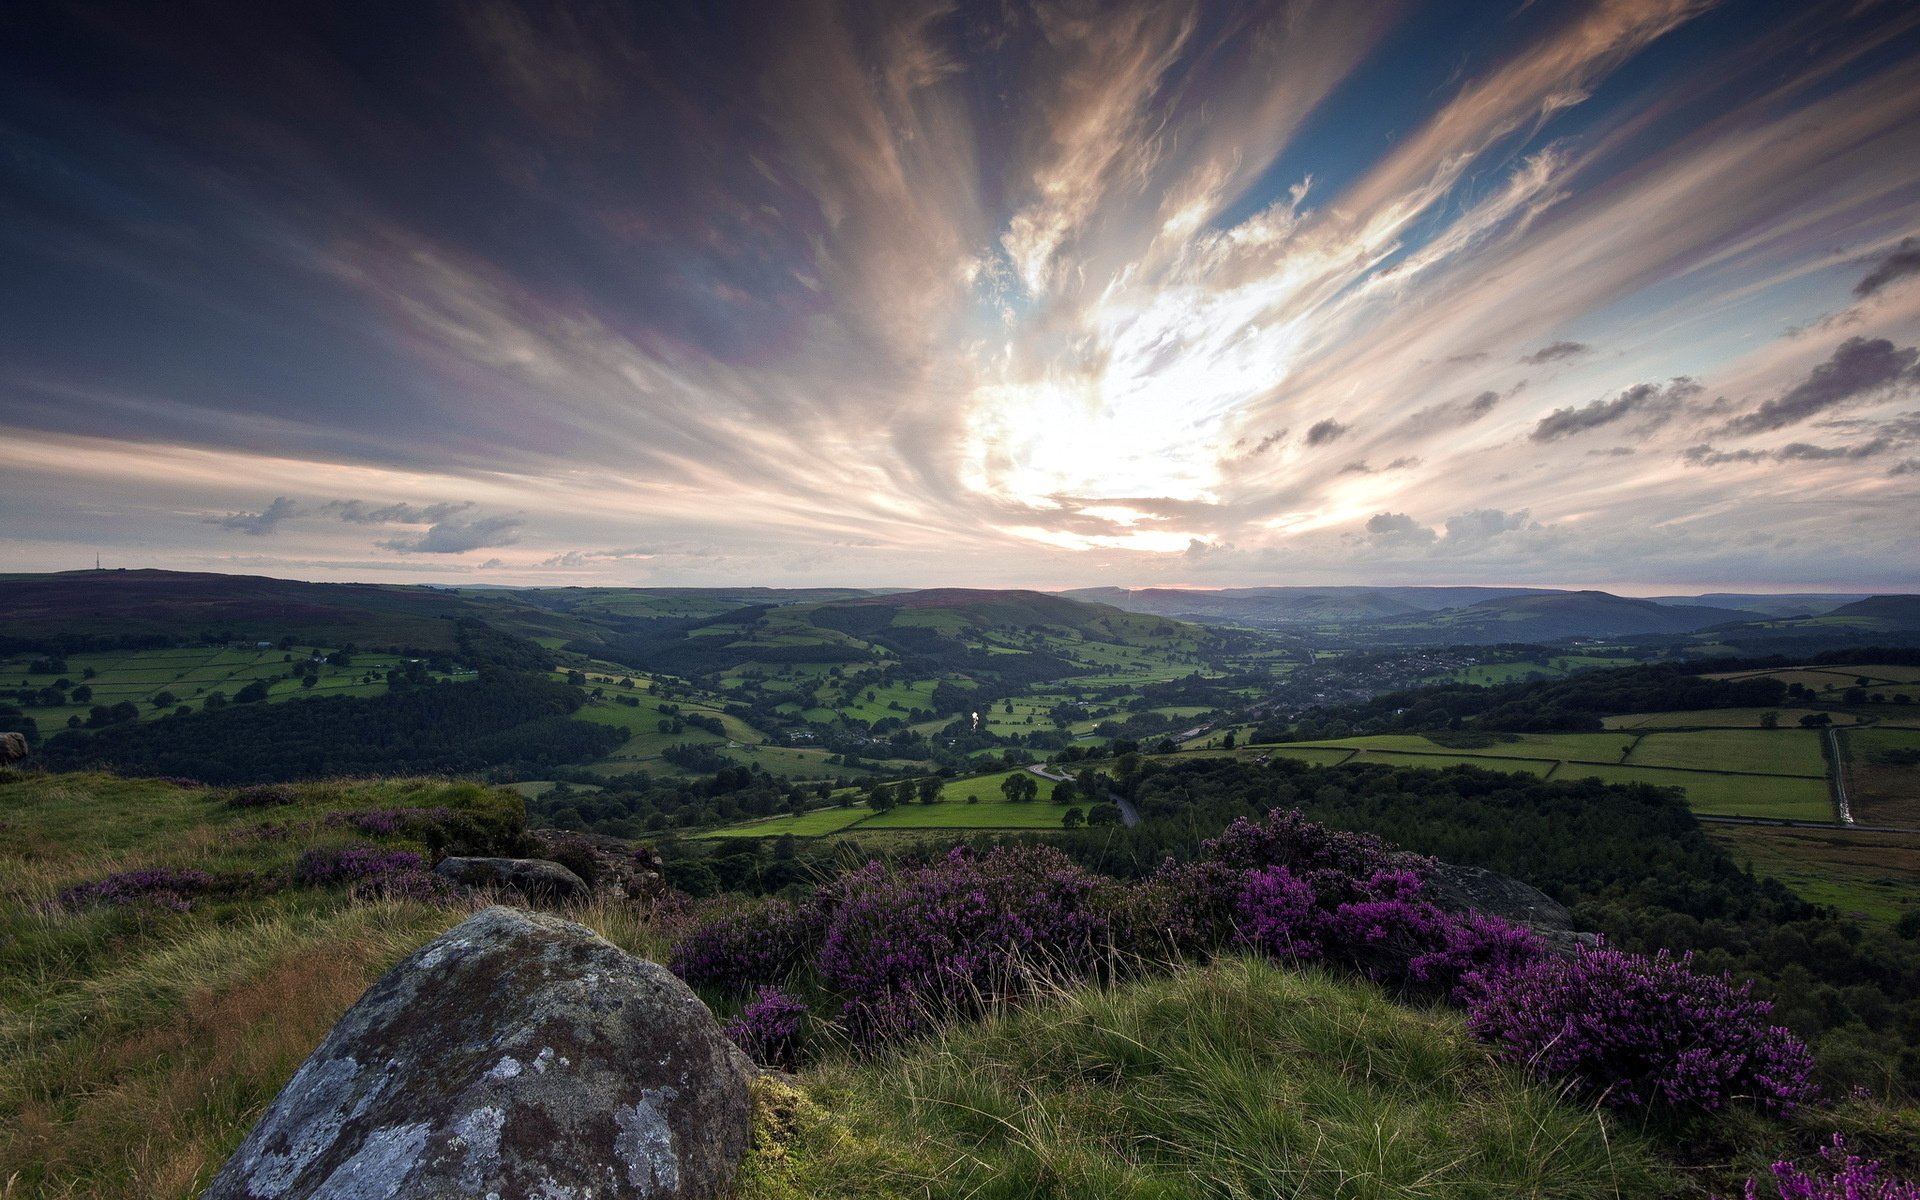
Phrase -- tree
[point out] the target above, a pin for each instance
(165, 700)
(82, 694)
(1770, 720)
(1019, 787)
(1073, 818)
(1226, 743)
(1103, 814)
(930, 790)
(881, 798)
(1815, 720)
(1064, 792)
(309, 680)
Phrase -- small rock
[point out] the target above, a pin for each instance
(515, 1055)
(534, 878)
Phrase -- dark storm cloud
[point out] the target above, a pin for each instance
(1904, 261)
(1859, 368)
(1555, 352)
(1325, 431)
(1648, 398)
(265, 521)
(458, 537)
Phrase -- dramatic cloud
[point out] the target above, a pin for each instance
(1324, 432)
(458, 537)
(1904, 261)
(1859, 368)
(265, 521)
(1640, 398)
(917, 293)
(1555, 352)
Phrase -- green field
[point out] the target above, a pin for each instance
(1312, 754)
(1719, 718)
(1531, 766)
(1725, 795)
(814, 824)
(1762, 751)
(1854, 871)
(1583, 747)
(995, 814)
(189, 675)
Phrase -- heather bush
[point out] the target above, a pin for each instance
(1847, 1177)
(914, 947)
(267, 795)
(1280, 915)
(1476, 950)
(763, 944)
(1182, 910)
(1630, 1030)
(161, 887)
(768, 1029)
(322, 867)
(1333, 860)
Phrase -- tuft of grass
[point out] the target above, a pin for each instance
(1236, 1079)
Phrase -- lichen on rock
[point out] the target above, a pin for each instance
(515, 1055)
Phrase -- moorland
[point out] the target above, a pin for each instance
(1732, 777)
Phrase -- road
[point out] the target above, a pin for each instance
(1129, 815)
(1839, 777)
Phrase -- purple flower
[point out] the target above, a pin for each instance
(1848, 1177)
(763, 944)
(161, 887)
(322, 867)
(768, 1029)
(914, 947)
(1280, 915)
(1643, 1031)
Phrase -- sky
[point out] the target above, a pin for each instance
(1614, 293)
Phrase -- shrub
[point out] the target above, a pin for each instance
(763, 944)
(768, 1029)
(910, 948)
(1335, 863)
(1848, 1178)
(1181, 910)
(322, 867)
(266, 795)
(1477, 951)
(161, 887)
(1280, 915)
(1637, 1031)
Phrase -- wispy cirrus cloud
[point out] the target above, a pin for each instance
(1014, 291)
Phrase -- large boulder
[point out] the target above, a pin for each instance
(516, 1055)
(534, 878)
(613, 867)
(13, 748)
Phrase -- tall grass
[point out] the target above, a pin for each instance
(1238, 1079)
(138, 1046)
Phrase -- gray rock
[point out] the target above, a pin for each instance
(534, 878)
(1475, 889)
(13, 748)
(516, 1055)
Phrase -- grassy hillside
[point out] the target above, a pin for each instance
(1236, 1080)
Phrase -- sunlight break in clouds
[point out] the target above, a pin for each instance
(1613, 292)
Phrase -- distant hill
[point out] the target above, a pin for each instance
(1294, 606)
(1007, 635)
(183, 604)
(1788, 604)
(1552, 617)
